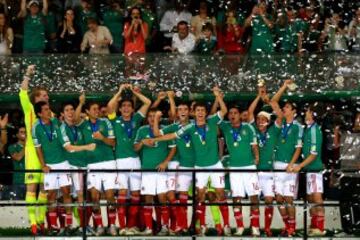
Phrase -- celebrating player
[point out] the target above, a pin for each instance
(125, 128)
(311, 153)
(99, 131)
(154, 156)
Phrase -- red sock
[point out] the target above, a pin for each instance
(165, 215)
(292, 223)
(173, 218)
(182, 212)
(320, 223)
(88, 215)
(53, 219)
(133, 212)
(224, 209)
(148, 217)
(111, 216)
(255, 218)
(121, 210)
(269, 212)
(313, 221)
(200, 213)
(47, 218)
(98, 219)
(62, 216)
(69, 219)
(285, 219)
(140, 218)
(81, 216)
(239, 218)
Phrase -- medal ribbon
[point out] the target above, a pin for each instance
(186, 138)
(236, 133)
(94, 126)
(49, 135)
(202, 132)
(74, 132)
(129, 128)
(151, 133)
(285, 129)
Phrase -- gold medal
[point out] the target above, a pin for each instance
(203, 142)
(236, 144)
(188, 144)
(283, 141)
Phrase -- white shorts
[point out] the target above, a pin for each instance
(126, 180)
(285, 183)
(184, 180)
(57, 180)
(243, 183)
(172, 176)
(98, 180)
(314, 183)
(267, 183)
(217, 178)
(153, 183)
(77, 178)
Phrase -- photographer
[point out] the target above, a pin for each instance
(135, 33)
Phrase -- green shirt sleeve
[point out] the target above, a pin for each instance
(185, 130)
(252, 135)
(63, 137)
(215, 119)
(169, 129)
(139, 136)
(12, 149)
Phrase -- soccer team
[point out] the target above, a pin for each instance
(188, 139)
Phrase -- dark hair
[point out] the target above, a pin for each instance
(318, 110)
(127, 100)
(208, 26)
(200, 104)
(182, 23)
(65, 104)
(36, 92)
(91, 20)
(184, 104)
(38, 107)
(6, 26)
(235, 107)
(292, 104)
(89, 104)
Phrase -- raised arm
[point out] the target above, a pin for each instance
(146, 101)
(30, 71)
(214, 107)
(3, 123)
(171, 96)
(45, 7)
(22, 12)
(161, 96)
(279, 114)
(220, 98)
(79, 108)
(112, 105)
(254, 104)
(281, 91)
(156, 128)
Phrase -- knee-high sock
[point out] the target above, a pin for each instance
(238, 218)
(224, 209)
(182, 212)
(255, 221)
(31, 199)
(216, 214)
(148, 217)
(173, 217)
(200, 213)
(269, 212)
(61, 213)
(121, 210)
(42, 209)
(133, 212)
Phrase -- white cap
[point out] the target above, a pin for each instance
(33, 2)
(265, 114)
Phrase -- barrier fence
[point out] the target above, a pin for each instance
(305, 205)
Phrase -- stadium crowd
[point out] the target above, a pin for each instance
(183, 26)
(130, 133)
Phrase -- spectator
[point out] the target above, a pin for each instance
(97, 38)
(261, 23)
(17, 153)
(354, 31)
(168, 24)
(207, 42)
(6, 36)
(70, 36)
(3, 136)
(3, 6)
(182, 41)
(114, 21)
(83, 13)
(335, 31)
(312, 35)
(198, 21)
(230, 34)
(51, 25)
(149, 16)
(289, 31)
(34, 26)
(135, 32)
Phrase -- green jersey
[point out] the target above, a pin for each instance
(102, 152)
(125, 132)
(114, 21)
(204, 140)
(289, 35)
(239, 143)
(48, 137)
(312, 145)
(289, 139)
(267, 143)
(82, 18)
(184, 149)
(72, 135)
(18, 178)
(34, 33)
(262, 40)
(151, 157)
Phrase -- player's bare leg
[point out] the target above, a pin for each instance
(318, 216)
(290, 208)
(282, 210)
